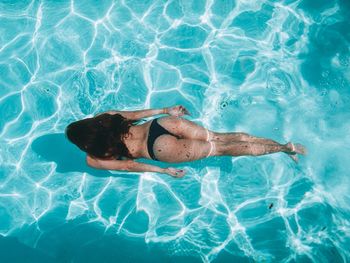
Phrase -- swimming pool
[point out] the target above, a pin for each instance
(278, 69)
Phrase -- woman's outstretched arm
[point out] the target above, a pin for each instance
(131, 166)
(139, 114)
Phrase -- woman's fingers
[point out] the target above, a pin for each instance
(182, 110)
(178, 111)
(186, 111)
(178, 173)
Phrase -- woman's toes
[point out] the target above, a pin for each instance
(299, 148)
(295, 148)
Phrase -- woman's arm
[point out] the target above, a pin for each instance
(139, 114)
(131, 166)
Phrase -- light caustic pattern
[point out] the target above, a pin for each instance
(277, 69)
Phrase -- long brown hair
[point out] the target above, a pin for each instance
(101, 136)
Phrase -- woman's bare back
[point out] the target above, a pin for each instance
(136, 140)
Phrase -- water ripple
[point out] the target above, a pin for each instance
(274, 69)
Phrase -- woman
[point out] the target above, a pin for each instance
(112, 140)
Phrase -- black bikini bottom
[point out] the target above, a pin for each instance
(154, 132)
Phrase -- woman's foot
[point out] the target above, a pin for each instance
(294, 149)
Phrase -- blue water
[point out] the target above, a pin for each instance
(277, 69)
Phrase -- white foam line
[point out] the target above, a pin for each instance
(9, 123)
(12, 41)
(148, 11)
(39, 16)
(96, 208)
(14, 194)
(124, 219)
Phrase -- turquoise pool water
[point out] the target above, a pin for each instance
(278, 69)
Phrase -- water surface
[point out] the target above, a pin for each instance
(278, 69)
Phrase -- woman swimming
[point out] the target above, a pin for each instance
(113, 139)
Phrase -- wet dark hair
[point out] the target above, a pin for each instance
(101, 136)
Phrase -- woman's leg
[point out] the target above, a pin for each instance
(168, 148)
(243, 137)
(260, 146)
(190, 130)
(248, 148)
(185, 129)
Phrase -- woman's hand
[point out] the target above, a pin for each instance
(177, 111)
(178, 173)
